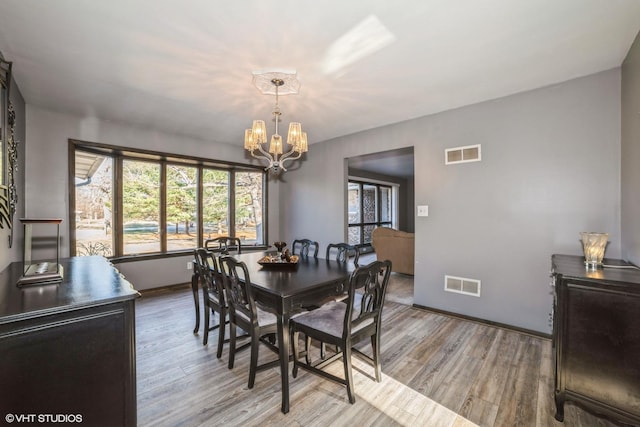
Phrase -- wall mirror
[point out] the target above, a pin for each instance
(8, 151)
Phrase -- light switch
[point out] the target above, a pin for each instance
(423, 210)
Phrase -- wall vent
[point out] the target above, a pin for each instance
(466, 154)
(461, 285)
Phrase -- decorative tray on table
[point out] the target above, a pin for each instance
(278, 261)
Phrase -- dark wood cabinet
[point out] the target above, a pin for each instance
(67, 350)
(597, 337)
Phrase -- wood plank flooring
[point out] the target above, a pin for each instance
(437, 371)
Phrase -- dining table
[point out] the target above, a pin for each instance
(287, 289)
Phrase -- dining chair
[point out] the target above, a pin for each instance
(339, 252)
(215, 300)
(244, 313)
(217, 246)
(342, 251)
(302, 247)
(345, 325)
(224, 244)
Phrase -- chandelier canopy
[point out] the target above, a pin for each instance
(255, 139)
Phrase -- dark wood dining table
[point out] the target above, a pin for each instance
(285, 290)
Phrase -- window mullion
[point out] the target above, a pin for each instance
(163, 207)
(232, 203)
(376, 203)
(118, 220)
(199, 206)
(361, 197)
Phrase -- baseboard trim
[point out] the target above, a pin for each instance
(484, 321)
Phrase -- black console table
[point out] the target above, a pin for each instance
(597, 337)
(67, 350)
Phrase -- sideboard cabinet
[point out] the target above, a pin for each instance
(597, 337)
(67, 349)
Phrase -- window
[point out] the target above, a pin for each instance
(136, 203)
(248, 206)
(182, 207)
(140, 207)
(215, 196)
(370, 205)
(93, 208)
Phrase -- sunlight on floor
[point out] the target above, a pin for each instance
(404, 405)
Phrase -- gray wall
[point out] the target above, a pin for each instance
(47, 177)
(9, 255)
(550, 169)
(630, 176)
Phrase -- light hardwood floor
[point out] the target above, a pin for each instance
(437, 371)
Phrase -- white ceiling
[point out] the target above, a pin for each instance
(186, 66)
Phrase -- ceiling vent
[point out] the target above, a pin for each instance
(461, 285)
(466, 154)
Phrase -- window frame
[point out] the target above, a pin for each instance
(118, 154)
(361, 224)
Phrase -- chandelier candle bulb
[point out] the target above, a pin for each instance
(249, 142)
(259, 132)
(302, 144)
(295, 131)
(276, 145)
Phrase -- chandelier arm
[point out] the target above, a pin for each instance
(288, 154)
(287, 157)
(265, 154)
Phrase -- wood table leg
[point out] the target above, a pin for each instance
(559, 398)
(283, 343)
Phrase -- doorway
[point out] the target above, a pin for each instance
(380, 178)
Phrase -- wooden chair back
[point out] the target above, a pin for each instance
(302, 247)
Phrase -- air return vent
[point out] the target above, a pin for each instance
(466, 154)
(461, 285)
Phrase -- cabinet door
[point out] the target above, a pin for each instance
(76, 364)
(602, 345)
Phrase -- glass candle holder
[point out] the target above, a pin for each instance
(593, 245)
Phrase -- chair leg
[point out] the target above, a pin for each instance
(307, 350)
(323, 350)
(207, 319)
(375, 347)
(221, 330)
(194, 290)
(253, 364)
(348, 375)
(295, 346)
(232, 342)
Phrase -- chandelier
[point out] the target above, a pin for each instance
(255, 139)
